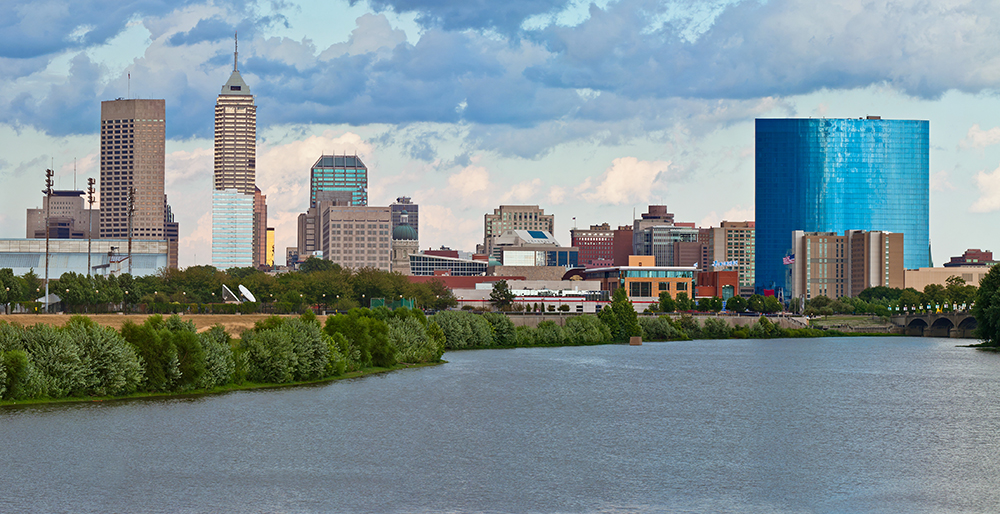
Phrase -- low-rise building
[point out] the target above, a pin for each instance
(643, 280)
(922, 277)
(107, 256)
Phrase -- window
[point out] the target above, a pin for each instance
(644, 289)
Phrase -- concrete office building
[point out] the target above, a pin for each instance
(340, 179)
(235, 174)
(835, 175)
(971, 257)
(107, 257)
(355, 236)
(132, 156)
(69, 218)
(831, 265)
(656, 234)
(732, 247)
(259, 229)
(514, 217)
(172, 234)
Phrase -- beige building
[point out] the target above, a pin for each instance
(827, 264)
(132, 150)
(732, 248)
(515, 217)
(355, 236)
(922, 277)
(68, 217)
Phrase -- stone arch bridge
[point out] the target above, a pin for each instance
(945, 324)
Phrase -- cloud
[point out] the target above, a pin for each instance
(627, 181)
(941, 181)
(737, 213)
(988, 185)
(979, 138)
(505, 17)
(457, 228)
(522, 192)
(472, 185)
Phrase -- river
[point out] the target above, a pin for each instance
(767, 426)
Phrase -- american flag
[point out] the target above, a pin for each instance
(788, 259)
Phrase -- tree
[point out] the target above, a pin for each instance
(934, 294)
(736, 304)
(684, 303)
(756, 303)
(501, 297)
(620, 317)
(315, 264)
(987, 308)
(667, 304)
(772, 305)
(11, 288)
(958, 291)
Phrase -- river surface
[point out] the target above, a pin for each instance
(778, 426)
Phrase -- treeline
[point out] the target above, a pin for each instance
(167, 355)
(882, 301)
(198, 289)
(685, 327)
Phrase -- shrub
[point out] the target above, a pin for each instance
(116, 369)
(549, 333)
(220, 365)
(412, 342)
(586, 329)
(464, 330)
(660, 328)
(502, 328)
(159, 356)
(525, 336)
(715, 328)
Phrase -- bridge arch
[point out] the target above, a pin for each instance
(943, 322)
(968, 323)
(917, 323)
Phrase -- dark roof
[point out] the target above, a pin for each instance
(339, 161)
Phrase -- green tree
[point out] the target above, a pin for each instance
(771, 305)
(667, 304)
(11, 289)
(755, 303)
(684, 303)
(313, 264)
(501, 297)
(959, 292)
(987, 308)
(620, 317)
(736, 304)
(935, 294)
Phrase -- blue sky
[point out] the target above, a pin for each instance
(591, 110)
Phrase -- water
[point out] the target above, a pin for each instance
(827, 425)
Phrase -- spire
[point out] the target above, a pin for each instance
(236, 50)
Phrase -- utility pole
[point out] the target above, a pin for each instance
(131, 210)
(48, 204)
(90, 213)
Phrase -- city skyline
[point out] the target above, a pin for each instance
(560, 105)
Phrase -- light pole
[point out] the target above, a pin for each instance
(90, 214)
(48, 196)
(131, 210)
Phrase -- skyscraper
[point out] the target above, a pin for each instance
(235, 174)
(835, 175)
(132, 148)
(514, 217)
(341, 179)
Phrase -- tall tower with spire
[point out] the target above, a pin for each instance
(235, 173)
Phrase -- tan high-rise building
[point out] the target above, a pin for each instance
(826, 264)
(236, 136)
(236, 241)
(732, 248)
(132, 148)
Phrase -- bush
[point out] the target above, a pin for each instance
(660, 329)
(715, 328)
(525, 336)
(464, 330)
(549, 333)
(159, 356)
(116, 369)
(412, 342)
(502, 328)
(220, 365)
(586, 329)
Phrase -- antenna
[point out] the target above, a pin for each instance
(128, 88)
(236, 49)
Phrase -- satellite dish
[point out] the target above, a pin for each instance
(246, 293)
(228, 295)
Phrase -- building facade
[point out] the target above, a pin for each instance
(405, 212)
(107, 257)
(514, 217)
(832, 265)
(972, 257)
(338, 179)
(132, 156)
(68, 217)
(732, 248)
(355, 236)
(834, 175)
(235, 174)
(644, 281)
(259, 229)
(656, 234)
(596, 245)
(404, 243)
(232, 229)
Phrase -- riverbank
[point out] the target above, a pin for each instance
(229, 388)
(233, 323)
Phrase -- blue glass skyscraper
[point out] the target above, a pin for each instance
(832, 175)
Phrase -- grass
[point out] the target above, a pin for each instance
(233, 323)
(228, 388)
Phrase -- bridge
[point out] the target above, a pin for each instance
(944, 324)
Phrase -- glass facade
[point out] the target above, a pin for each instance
(232, 229)
(834, 175)
(425, 266)
(339, 178)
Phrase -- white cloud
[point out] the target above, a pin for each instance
(522, 192)
(471, 184)
(197, 241)
(628, 180)
(458, 230)
(941, 181)
(988, 185)
(979, 138)
(737, 213)
(557, 195)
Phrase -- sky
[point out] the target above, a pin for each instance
(590, 110)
